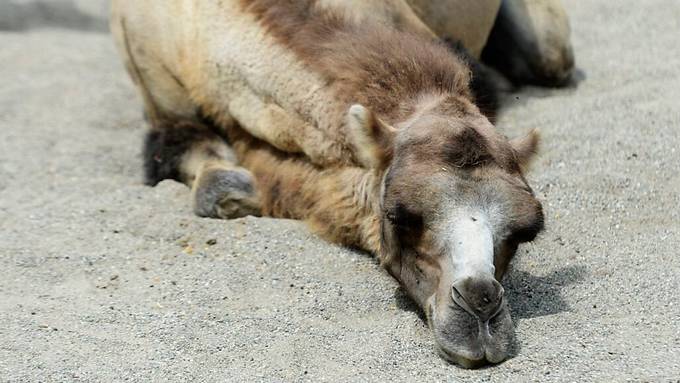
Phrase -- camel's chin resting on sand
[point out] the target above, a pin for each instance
(353, 117)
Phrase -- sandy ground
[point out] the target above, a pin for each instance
(104, 279)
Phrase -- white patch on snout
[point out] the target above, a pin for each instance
(471, 243)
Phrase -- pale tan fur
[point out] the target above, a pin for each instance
(273, 95)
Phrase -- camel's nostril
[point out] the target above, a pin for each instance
(481, 296)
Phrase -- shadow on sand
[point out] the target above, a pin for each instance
(530, 296)
(520, 95)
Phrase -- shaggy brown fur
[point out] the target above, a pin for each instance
(339, 204)
(370, 64)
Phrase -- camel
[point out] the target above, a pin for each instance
(363, 126)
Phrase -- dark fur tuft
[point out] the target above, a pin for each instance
(165, 145)
(469, 149)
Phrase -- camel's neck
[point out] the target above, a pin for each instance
(346, 207)
(341, 204)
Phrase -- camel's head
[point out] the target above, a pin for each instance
(454, 207)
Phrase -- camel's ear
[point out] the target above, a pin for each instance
(372, 138)
(526, 147)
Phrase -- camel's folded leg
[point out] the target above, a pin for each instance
(285, 130)
(179, 146)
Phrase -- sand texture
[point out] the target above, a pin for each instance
(105, 279)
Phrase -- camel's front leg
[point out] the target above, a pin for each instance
(192, 153)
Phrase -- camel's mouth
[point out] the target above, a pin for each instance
(466, 341)
(462, 361)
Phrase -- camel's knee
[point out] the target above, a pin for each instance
(223, 192)
(177, 150)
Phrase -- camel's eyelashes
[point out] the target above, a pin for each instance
(405, 219)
